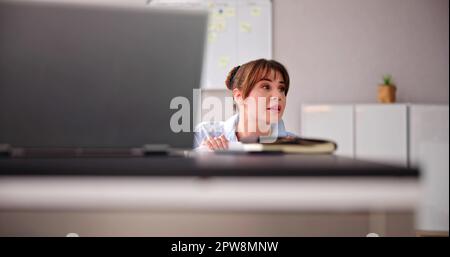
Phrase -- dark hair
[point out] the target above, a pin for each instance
(246, 76)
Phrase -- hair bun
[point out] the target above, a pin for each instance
(230, 77)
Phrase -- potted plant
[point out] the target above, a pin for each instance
(387, 90)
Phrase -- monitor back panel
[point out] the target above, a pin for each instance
(78, 76)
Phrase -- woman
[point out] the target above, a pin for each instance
(259, 90)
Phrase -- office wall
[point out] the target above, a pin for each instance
(338, 50)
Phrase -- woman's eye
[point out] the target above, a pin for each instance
(282, 89)
(267, 87)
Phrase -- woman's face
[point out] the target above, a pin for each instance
(267, 100)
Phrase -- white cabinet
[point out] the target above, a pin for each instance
(429, 149)
(381, 133)
(413, 135)
(370, 132)
(390, 133)
(333, 122)
(429, 125)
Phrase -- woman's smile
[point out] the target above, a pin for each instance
(275, 108)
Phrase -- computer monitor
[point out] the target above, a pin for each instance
(98, 76)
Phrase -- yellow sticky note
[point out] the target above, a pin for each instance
(212, 37)
(230, 12)
(219, 13)
(255, 11)
(246, 27)
(224, 61)
(214, 14)
(212, 26)
(217, 25)
(221, 26)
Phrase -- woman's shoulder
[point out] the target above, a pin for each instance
(216, 127)
(209, 126)
(209, 129)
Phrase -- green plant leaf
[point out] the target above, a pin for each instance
(387, 79)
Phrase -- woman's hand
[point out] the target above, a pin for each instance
(216, 143)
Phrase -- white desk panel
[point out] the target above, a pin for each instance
(215, 194)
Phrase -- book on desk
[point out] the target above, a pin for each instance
(296, 145)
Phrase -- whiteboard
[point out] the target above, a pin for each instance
(239, 31)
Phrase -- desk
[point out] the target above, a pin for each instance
(210, 194)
